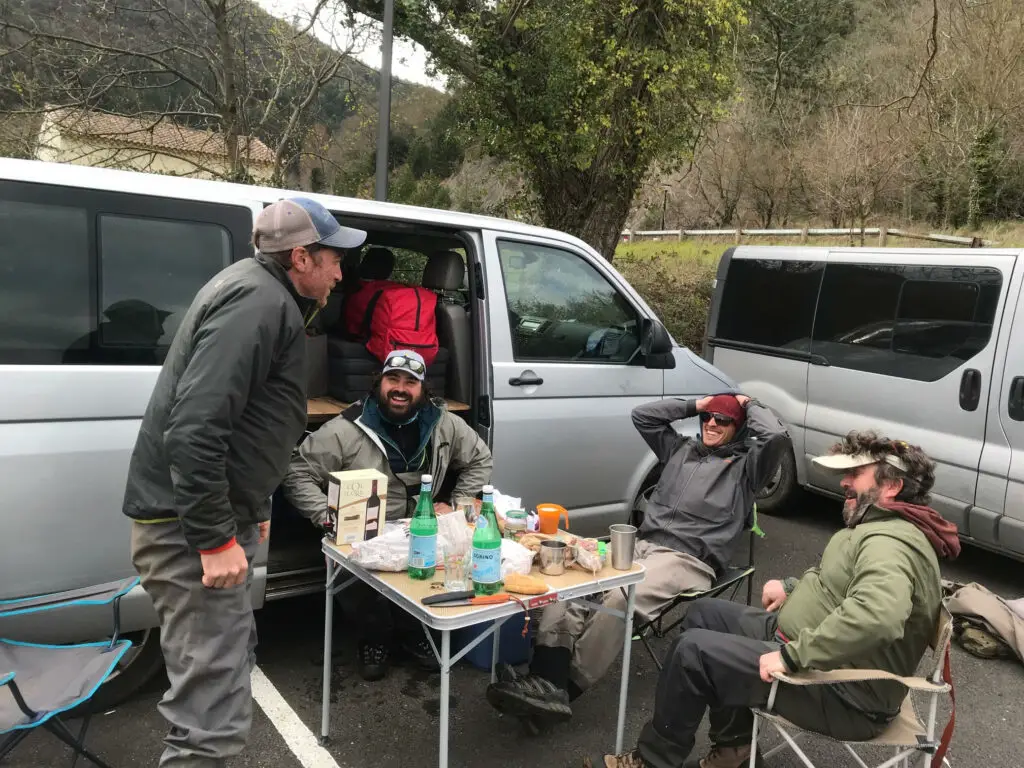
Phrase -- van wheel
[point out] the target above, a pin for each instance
(138, 666)
(777, 495)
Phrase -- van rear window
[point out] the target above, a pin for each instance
(770, 302)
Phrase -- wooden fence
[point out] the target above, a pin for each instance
(882, 233)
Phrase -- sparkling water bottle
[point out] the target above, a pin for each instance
(487, 548)
(423, 534)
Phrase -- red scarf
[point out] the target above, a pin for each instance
(941, 533)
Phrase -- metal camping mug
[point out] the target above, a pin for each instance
(552, 558)
(623, 541)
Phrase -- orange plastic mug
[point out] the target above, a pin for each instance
(550, 514)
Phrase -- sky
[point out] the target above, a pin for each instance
(408, 59)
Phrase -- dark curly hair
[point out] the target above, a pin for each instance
(917, 480)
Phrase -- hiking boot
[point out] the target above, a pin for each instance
(726, 757)
(420, 653)
(530, 696)
(373, 661)
(625, 760)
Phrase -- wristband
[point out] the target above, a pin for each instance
(217, 550)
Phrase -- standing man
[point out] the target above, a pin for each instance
(227, 409)
(402, 432)
(873, 603)
(698, 512)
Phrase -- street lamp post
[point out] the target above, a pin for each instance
(384, 102)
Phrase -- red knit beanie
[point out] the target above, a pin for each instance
(727, 405)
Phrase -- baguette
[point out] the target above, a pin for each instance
(524, 585)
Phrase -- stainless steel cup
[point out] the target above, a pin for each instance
(552, 557)
(623, 542)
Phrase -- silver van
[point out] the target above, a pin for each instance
(924, 345)
(548, 350)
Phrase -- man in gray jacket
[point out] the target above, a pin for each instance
(228, 406)
(403, 433)
(697, 514)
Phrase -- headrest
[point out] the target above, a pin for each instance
(445, 271)
(377, 264)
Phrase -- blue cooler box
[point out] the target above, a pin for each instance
(514, 648)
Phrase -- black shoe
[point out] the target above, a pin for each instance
(373, 661)
(420, 653)
(531, 696)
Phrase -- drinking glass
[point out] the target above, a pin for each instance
(457, 565)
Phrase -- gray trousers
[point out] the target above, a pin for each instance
(208, 637)
(594, 637)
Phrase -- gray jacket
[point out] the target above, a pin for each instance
(705, 497)
(350, 441)
(227, 409)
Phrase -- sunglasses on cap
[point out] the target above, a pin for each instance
(720, 419)
(399, 361)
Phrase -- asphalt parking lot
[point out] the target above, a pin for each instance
(394, 722)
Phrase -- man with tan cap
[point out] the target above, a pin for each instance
(227, 409)
(873, 603)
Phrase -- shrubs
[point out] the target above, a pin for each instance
(677, 289)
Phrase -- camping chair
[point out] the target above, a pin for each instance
(40, 682)
(732, 577)
(907, 735)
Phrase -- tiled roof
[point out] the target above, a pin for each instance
(156, 133)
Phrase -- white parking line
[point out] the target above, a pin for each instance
(300, 740)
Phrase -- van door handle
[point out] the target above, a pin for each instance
(1016, 404)
(526, 380)
(970, 389)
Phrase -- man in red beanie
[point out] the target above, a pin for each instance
(697, 514)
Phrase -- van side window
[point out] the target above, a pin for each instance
(770, 302)
(913, 322)
(561, 308)
(142, 307)
(94, 277)
(44, 280)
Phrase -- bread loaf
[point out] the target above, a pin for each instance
(524, 585)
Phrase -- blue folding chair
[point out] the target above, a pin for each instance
(40, 682)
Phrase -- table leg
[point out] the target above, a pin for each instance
(495, 640)
(627, 645)
(446, 659)
(325, 715)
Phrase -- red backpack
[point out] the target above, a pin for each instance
(356, 305)
(401, 317)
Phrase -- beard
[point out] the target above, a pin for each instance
(852, 515)
(399, 411)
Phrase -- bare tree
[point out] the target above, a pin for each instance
(222, 65)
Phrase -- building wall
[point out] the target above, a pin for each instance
(55, 146)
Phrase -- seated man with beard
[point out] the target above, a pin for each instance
(872, 603)
(399, 430)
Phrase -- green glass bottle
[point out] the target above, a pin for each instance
(487, 548)
(423, 534)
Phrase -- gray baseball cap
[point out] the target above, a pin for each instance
(299, 221)
(406, 361)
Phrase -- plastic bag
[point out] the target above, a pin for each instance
(387, 552)
(453, 534)
(515, 558)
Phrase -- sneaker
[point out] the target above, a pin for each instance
(726, 757)
(530, 696)
(373, 661)
(419, 651)
(625, 760)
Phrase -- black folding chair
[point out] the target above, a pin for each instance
(731, 578)
(40, 682)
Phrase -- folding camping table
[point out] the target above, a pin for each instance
(406, 593)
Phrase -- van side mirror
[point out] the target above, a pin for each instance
(656, 345)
